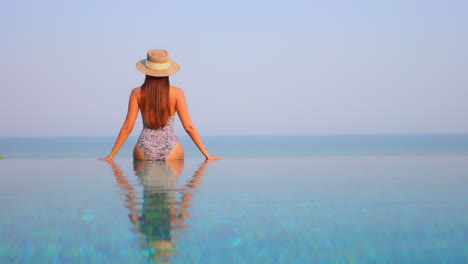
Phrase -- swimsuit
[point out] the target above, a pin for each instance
(157, 144)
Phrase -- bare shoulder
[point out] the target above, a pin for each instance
(177, 91)
(136, 91)
(135, 94)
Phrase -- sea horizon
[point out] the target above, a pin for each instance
(281, 145)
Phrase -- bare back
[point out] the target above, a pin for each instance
(178, 105)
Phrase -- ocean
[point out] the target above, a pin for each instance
(247, 146)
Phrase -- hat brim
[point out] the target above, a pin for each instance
(173, 69)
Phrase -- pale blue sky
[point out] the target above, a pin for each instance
(248, 67)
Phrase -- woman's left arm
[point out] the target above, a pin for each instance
(128, 125)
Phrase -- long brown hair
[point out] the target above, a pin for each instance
(154, 101)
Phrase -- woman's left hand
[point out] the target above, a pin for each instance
(213, 157)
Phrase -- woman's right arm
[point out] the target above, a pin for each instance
(182, 111)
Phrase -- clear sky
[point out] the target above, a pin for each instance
(247, 67)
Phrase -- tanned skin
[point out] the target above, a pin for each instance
(179, 105)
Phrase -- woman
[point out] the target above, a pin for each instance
(158, 102)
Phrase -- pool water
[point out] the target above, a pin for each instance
(358, 209)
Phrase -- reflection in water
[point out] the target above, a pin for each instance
(164, 208)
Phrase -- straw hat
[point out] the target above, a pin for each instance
(158, 63)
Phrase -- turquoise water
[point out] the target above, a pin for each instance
(373, 204)
(248, 146)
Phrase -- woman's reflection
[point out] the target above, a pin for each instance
(164, 207)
